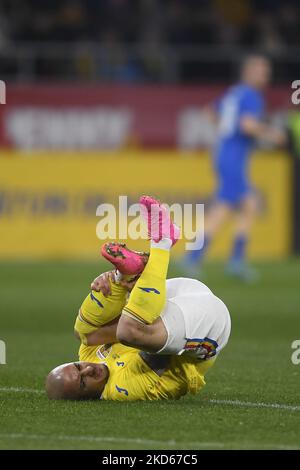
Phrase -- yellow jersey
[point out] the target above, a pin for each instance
(132, 378)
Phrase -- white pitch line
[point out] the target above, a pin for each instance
(249, 404)
(144, 442)
(109, 439)
(246, 404)
(21, 390)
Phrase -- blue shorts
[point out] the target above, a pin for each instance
(232, 190)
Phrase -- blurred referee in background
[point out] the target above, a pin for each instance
(239, 115)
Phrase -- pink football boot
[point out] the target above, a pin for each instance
(125, 260)
(158, 219)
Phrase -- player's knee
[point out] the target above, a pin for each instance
(250, 205)
(76, 334)
(128, 332)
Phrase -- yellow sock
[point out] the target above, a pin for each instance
(148, 296)
(98, 310)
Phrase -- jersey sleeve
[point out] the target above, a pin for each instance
(98, 310)
(252, 105)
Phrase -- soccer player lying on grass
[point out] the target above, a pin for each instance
(159, 343)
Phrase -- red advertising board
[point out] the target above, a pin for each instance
(74, 117)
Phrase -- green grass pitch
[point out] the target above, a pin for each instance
(38, 303)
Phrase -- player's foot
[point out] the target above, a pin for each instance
(125, 260)
(242, 271)
(158, 219)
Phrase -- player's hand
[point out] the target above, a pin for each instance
(102, 283)
(278, 137)
(129, 285)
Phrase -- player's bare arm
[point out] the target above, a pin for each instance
(257, 129)
(149, 338)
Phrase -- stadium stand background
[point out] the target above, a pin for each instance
(133, 41)
(122, 83)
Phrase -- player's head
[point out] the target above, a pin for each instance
(256, 71)
(76, 381)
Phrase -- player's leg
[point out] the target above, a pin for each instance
(99, 310)
(245, 218)
(137, 324)
(219, 212)
(216, 217)
(248, 213)
(148, 296)
(198, 326)
(145, 301)
(207, 328)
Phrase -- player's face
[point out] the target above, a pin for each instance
(90, 379)
(77, 381)
(257, 71)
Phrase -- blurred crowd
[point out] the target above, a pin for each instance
(133, 40)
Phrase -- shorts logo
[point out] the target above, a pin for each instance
(204, 348)
(150, 289)
(122, 390)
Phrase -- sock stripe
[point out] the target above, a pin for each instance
(127, 311)
(82, 318)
